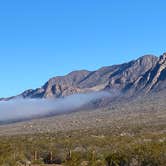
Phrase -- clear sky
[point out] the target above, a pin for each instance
(44, 38)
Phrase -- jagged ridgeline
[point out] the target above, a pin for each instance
(145, 75)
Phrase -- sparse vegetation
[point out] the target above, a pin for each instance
(97, 147)
(102, 138)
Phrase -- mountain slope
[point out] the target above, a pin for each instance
(145, 75)
(153, 80)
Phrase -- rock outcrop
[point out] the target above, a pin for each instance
(144, 75)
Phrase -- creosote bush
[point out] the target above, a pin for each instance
(85, 148)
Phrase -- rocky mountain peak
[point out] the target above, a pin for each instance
(162, 59)
(142, 75)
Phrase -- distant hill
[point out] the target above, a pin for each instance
(144, 75)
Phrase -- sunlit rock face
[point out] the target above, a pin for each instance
(141, 76)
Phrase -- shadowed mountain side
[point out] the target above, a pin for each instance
(145, 75)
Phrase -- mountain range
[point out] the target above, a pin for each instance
(144, 75)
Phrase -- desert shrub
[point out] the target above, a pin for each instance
(117, 159)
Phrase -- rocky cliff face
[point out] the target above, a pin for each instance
(144, 75)
(155, 78)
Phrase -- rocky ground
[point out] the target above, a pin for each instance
(133, 128)
(133, 113)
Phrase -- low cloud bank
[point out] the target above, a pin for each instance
(20, 109)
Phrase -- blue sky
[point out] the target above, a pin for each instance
(40, 39)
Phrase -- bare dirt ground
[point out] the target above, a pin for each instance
(128, 124)
(133, 114)
(148, 111)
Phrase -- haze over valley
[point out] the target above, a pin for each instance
(83, 83)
